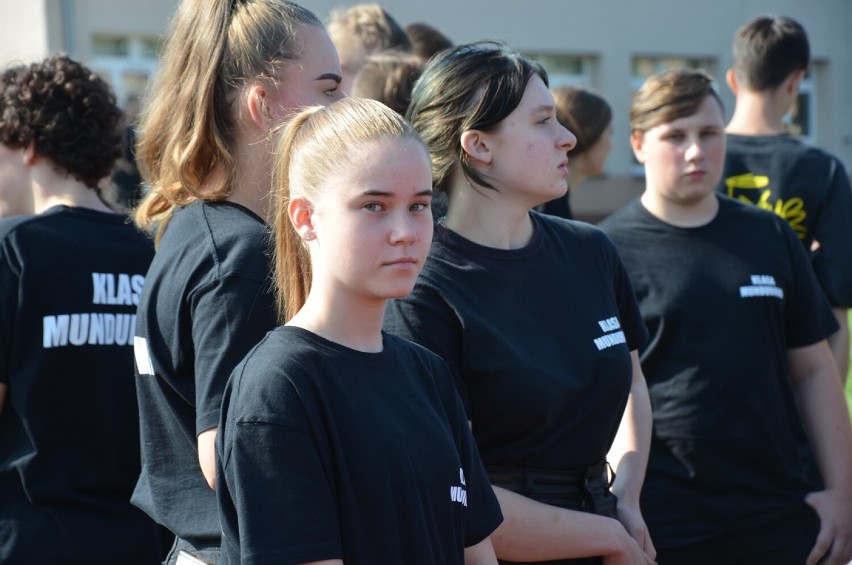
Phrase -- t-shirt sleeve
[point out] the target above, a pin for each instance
(425, 318)
(483, 509)
(284, 501)
(229, 317)
(832, 262)
(808, 316)
(629, 314)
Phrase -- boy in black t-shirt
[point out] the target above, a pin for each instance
(737, 351)
(70, 279)
(767, 166)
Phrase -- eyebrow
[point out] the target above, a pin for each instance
(427, 192)
(330, 76)
(544, 108)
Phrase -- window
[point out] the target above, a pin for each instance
(126, 62)
(565, 69)
(801, 117)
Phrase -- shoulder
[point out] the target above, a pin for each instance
(9, 227)
(229, 236)
(747, 218)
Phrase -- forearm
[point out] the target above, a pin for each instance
(629, 452)
(480, 554)
(825, 417)
(207, 455)
(532, 531)
(839, 343)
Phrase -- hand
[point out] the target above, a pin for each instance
(629, 551)
(834, 542)
(631, 518)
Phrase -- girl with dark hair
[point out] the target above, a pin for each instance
(231, 72)
(534, 315)
(339, 443)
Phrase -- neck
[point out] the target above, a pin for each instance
(485, 216)
(758, 114)
(253, 185)
(52, 188)
(351, 323)
(691, 215)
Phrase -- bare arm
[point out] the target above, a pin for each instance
(825, 417)
(480, 554)
(532, 531)
(629, 457)
(839, 343)
(207, 455)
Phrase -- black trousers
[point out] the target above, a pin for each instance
(784, 540)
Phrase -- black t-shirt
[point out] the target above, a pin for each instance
(538, 338)
(206, 303)
(330, 453)
(70, 280)
(723, 303)
(807, 187)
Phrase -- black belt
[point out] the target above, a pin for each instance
(586, 490)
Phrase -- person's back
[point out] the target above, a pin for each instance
(70, 279)
(769, 167)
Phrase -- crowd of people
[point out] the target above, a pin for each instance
(344, 314)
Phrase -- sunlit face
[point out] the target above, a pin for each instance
(352, 55)
(373, 222)
(529, 149)
(684, 158)
(15, 190)
(312, 79)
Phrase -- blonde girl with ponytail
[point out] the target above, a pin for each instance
(339, 443)
(232, 70)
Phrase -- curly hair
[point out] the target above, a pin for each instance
(67, 112)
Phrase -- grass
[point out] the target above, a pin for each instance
(849, 378)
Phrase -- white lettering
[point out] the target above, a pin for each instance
(458, 494)
(125, 291)
(609, 325)
(55, 331)
(610, 340)
(96, 328)
(760, 280)
(760, 291)
(136, 282)
(99, 286)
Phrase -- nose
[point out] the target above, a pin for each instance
(694, 151)
(403, 229)
(566, 139)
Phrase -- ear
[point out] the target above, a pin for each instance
(258, 109)
(731, 79)
(301, 213)
(794, 81)
(477, 146)
(637, 139)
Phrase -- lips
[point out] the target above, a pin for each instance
(402, 262)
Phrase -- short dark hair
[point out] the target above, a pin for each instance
(668, 96)
(426, 39)
(767, 50)
(68, 112)
(472, 86)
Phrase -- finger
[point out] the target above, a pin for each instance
(821, 547)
